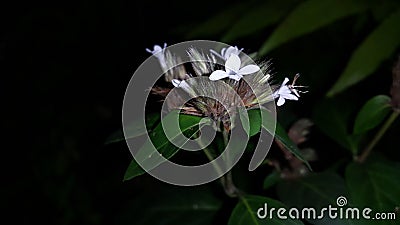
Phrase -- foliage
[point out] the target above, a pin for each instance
(344, 49)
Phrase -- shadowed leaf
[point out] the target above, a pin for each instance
(372, 114)
(308, 17)
(376, 48)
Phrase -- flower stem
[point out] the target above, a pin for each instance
(227, 180)
(378, 136)
(209, 155)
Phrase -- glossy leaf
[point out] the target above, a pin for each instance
(135, 129)
(281, 135)
(254, 116)
(278, 132)
(315, 190)
(308, 17)
(372, 114)
(159, 141)
(245, 212)
(318, 189)
(376, 185)
(381, 9)
(376, 48)
(258, 18)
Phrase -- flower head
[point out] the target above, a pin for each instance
(228, 95)
(233, 70)
(226, 52)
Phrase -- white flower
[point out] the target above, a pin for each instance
(233, 70)
(177, 82)
(182, 84)
(157, 49)
(226, 52)
(285, 92)
(159, 53)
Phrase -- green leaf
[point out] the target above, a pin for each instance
(381, 9)
(171, 205)
(254, 116)
(372, 114)
(315, 190)
(158, 140)
(376, 185)
(278, 132)
(135, 129)
(376, 48)
(271, 179)
(258, 18)
(245, 212)
(310, 16)
(281, 134)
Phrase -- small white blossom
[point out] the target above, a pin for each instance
(177, 82)
(233, 70)
(226, 52)
(159, 52)
(182, 84)
(157, 49)
(287, 92)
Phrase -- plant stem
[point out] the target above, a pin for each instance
(378, 136)
(209, 155)
(230, 189)
(227, 180)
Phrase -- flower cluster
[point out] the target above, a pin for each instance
(253, 90)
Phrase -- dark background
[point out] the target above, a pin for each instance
(68, 64)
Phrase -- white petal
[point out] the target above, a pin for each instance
(157, 48)
(290, 97)
(284, 90)
(149, 51)
(176, 82)
(285, 81)
(233, 63)
(249, 69)
(218, 74)
(229, 51)
(235, 77)
(232, 50)
(281, 101)
(216, 54)
(223, 52)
